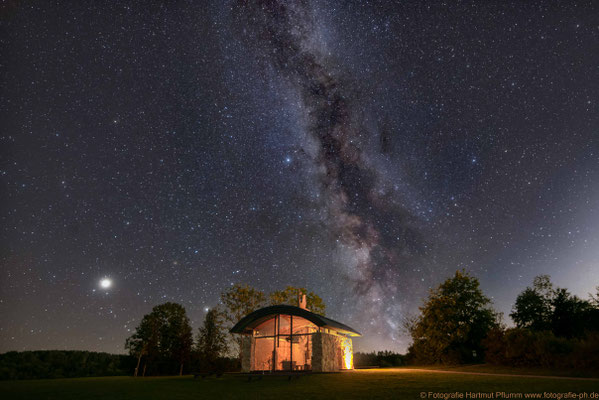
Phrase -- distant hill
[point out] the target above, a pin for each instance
(63, 364)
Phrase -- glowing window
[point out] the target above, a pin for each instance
(266, 328)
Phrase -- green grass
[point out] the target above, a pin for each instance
(366, 384)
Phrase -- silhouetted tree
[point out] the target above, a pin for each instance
(533, 306)
(290, 296)
(570, 314)
(380, 358)
(163, 336)
(544, 308)
(145, 341)
(531, 311)
(595, 298)
(212, 339)
(554, 329)
(452, 324)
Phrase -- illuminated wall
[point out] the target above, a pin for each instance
(347, 350)
(331, 352)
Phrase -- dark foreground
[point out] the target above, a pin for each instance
(362, 384)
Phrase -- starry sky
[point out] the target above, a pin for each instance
(363, 149)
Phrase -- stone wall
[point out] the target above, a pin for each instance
(327, 355)
(247, 355)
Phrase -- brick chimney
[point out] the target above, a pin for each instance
(301, 298)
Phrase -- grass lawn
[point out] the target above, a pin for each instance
(361, 384)
(498, 369)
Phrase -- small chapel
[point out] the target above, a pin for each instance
(290, 338)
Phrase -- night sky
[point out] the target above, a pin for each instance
(363, 149)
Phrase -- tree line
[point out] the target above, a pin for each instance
(553, 328)
(63, 364)
(381, 359)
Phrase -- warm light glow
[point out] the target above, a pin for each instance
(348, 353)
(105, 283)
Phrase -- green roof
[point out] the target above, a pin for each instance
(250, 321)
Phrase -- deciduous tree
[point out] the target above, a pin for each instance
(164, 335)
(290, 296)
(238, 301)
(541, 307)
(531, 310)
(453, 322)
(595, 298)
(571, 315)
(212, 339)
(533, 306)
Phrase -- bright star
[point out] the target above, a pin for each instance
(105, 283)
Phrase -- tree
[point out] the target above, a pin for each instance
(570, 314)
(163, 336)
(238, 301)
(290, 296)
(145, 340)
(533, 306)
(453, 322)
(542, 285)
(544, 308)
(595, 298)
(531, 310)
(212, 340)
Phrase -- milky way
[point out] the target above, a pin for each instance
(374, 229)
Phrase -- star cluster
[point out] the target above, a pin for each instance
(365, 150)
